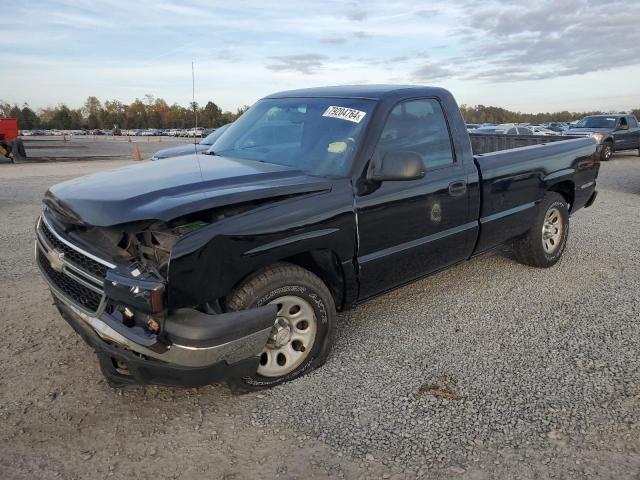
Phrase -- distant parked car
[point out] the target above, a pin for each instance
(472, 126)
(204, 145)
(556, 126)
(195, 132)
(151, 132)
(504, 129)
(538, 130)
(614, 132)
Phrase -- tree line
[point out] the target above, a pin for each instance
(485, 114)
(150, 112)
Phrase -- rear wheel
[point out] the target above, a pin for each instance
(607, 151)
(301, 336)
(543, 245)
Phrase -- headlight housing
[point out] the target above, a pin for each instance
(598, 136)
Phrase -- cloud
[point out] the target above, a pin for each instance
(360, 34)
(549, 39)
(432, 71)
(123, 49)
(426, 13)
(334, 40)
(357, 14)
(305, 63)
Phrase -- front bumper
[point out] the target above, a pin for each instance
(192, 348)
(232, 354)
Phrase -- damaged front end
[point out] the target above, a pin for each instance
(110, 283)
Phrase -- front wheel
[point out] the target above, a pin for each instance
(301, 336)
(543, 245)
(607, 151)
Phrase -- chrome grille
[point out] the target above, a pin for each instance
(70, 271)
(80, 260)
(85, 297)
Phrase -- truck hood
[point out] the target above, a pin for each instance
(180, 150)
(586, 131)
(174, 187)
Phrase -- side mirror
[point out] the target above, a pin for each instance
(398, 165)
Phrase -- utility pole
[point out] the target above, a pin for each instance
(193, 99)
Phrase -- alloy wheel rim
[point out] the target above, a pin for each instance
(552, 230)
(291, 338)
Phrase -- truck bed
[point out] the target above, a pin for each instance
(482, 143)
(513, 180)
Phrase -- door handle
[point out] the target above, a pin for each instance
(457, 188)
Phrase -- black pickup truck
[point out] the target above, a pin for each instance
(231, 265)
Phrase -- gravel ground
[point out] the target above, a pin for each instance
(487, 370)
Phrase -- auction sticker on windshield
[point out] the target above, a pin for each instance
(344, 113)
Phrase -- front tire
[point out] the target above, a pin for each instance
(301, 337)
(543, 245)
(607, 151)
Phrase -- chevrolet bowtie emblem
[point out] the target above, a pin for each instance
(55, 258)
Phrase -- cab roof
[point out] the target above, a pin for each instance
(370, 92)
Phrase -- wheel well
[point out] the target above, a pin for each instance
(567, 190)
(325, 264)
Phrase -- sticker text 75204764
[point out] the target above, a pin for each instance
(344, 113)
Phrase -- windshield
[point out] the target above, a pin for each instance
(597, 122)
(213, 136)
(316, 135)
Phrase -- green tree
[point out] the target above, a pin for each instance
(29, 118)
(158, 114)
(93, 112)
(15, 112)
(114, 113)
(136, 115)
(62, 118)
(5, 109)
(211, 115)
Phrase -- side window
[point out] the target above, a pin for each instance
(524, 131)
(511, 131)
(418, 126)
(623, 122)
(633, 123)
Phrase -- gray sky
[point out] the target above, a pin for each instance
(529, 56)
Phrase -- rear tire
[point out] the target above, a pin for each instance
(607, 151)
(303, 333)
(543, 245)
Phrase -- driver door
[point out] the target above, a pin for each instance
(409, 228)
(622, 135)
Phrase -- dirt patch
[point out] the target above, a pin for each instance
(443, 387)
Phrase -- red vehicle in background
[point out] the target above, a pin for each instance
(11, 146)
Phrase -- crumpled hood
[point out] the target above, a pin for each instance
(187, 149)
(174, 187)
